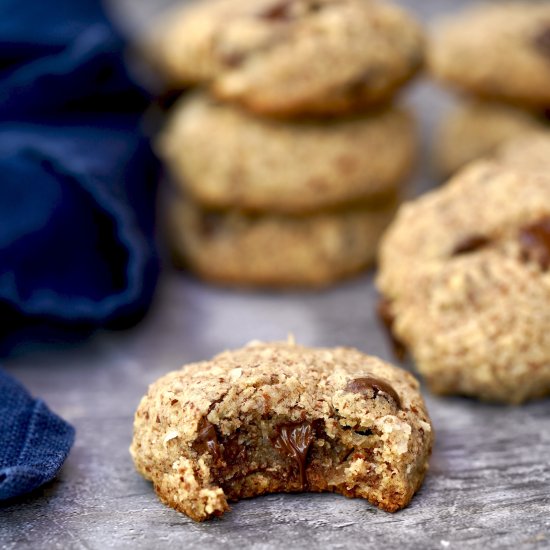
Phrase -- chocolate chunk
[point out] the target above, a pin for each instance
(209, 223)
(534, 241)
(542, 41)
(294, 439)
(368, 384)
(280, 11)
(233, 451)
(386, 317)
(470, 243)
(207, 439)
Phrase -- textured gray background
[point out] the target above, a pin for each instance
(489, 482)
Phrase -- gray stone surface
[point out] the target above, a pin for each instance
(489, 482)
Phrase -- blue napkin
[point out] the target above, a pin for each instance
(77, 207)
(35, 442)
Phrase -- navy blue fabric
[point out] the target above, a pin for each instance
(77, 206)
(35, 442)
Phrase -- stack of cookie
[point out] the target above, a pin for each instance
(499, 55)
(290, 159)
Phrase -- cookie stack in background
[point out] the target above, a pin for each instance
(499, 57)
(290, 158)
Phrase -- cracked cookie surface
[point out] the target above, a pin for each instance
(279, 417)
(464, 272)
(226, 158)
(498, 51)
(291, 57)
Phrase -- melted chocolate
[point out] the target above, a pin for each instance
(386, 317)
(368, 384)
(542, 41)
(534, 241)
(294, 440)
(469, 244)
(207, 439)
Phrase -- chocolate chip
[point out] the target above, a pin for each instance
(387, 319)
(207, 439)
(368, 384)
(233, 59)
(470, 243)
(542, 41)
(280, 11)
(209, 223)
(534, 242)
(294, 439)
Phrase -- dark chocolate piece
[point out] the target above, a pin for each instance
(367, 384)
(207, 439)
(295, 440)
(386, 317)
(209, 223)
(534, 241)
(280, 11)
(542, 41)
(470, 243)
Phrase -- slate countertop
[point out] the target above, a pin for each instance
(489, 482)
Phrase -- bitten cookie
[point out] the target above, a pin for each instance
(499, 50)
(226, 158)
(288, 57)
(476, 129)
(276, 250)
(282, 418)
(465, 276)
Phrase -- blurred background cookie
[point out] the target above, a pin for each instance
(278, 250)
(225, 157)
(465, 275)
(477, 128)
(498, 51)
(289, 57)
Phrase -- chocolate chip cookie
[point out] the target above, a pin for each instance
(499, 50)
(276, 250)
(290, 57)
(476, 129)
(226, 158)
(465, 279)
(282, 418)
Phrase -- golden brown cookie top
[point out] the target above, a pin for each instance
(499, 50)
(483, 208)
(283, 379)
(287, 57)
(227, 158)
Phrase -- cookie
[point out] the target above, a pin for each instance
(276, 250)
(289, 57)
(226, 158)
(280, 418)
(465, 278)
(498, 51)
(476, 129)
(528, 153)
